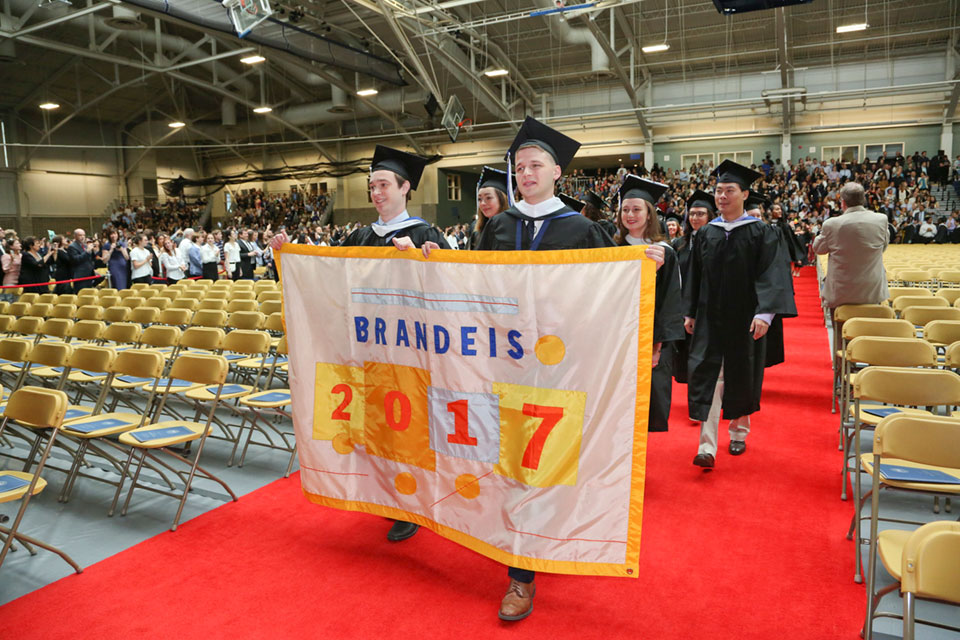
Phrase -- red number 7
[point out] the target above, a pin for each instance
(551, 416)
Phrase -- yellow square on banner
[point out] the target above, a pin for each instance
(396, 422)
(338, 402)
(540, 431)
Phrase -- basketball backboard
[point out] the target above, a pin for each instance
(247, 14)
(452, 119)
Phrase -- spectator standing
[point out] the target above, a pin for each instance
(141, 261)
(184, 247)
(81, 254)
(210, 255)
(172, 264)
(60, 265)
(231, 252)
(854, 243)
(11, 262)
(195, 256)
(33, 266)
(114, 254)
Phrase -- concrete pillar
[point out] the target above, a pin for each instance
(785, 148)
(946, 139)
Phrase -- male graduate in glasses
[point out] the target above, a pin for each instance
(539, 222)
(737, 284)
(394, 174)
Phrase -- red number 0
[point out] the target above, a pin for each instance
(551, 416)
(389, 402)
(339, 413)
(461, 426)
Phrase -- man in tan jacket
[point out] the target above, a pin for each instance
(855, 242)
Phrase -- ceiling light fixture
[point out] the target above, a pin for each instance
(366, 93)
(254, 59)
(655, 48)
(495, 73)
(47, 106)
(847, 28)
(177, 125)
(262, 109)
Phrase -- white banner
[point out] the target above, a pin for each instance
(498, 398)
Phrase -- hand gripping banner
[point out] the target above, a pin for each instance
(497, 398)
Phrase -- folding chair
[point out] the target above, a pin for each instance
(40, 310)
(263, 408)
(270, 307)
(123, 335)
(158, 302)
(116, 314)
(905, 444)
(950, 295)
(900, 387)
(949, 278)
(145, 316)
(132, 302)
(242, 304)
(251, 320)
(19, 309)
(67, 298)
(107, 301)
(840, 315)
(175, 317)
(903, 302)
(47, 298)
(54, 328)
(209, 318)
(920, 316)
(29, 297)
(942, 333)
(65, 311)
(43, 409)
(189, 304)
(90, 312)
(86, 331)
(202, 370)
(220, 304)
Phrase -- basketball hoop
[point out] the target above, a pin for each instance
(453, 117)
(466, 125)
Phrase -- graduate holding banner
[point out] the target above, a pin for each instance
(470, 393)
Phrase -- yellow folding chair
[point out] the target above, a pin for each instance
(43, 409)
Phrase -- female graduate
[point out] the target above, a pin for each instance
(491, 200)
(700, 210)
(638, 224)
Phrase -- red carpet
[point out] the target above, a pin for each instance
(755, 549)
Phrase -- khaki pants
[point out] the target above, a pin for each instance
(710, 428)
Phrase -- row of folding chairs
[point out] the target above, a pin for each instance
(198, 370)
(917, 455)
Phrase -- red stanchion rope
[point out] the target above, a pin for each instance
(47, 284)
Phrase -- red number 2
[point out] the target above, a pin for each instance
(461, 427)
(551, 416)
(339, 413)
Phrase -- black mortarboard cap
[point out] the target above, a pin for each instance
(495, 178)
(755, 201)
(637, 187)
(730, 171)
(406, 165)
(593, 199)
(673, 216)
(701, 198)
(534, 133)
(573, 203)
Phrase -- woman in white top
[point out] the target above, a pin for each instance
(141, 261)
(171, 262)
(210, 256)
(231, 250)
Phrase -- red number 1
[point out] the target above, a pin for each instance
(551, 416)
(339, 413)
(461, 427)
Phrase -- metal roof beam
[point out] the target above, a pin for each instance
(621, 74)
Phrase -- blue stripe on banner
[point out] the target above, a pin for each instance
(437, 301)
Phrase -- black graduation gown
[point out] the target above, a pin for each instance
(681, 348)
(731, 279)
(667, 330)
(418, 234)
(571, 232)
(787, 252)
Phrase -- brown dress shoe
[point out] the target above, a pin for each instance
(517, 604)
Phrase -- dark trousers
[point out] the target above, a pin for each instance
(521, 575)
(143, 279)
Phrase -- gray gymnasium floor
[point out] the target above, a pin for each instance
(81, 527)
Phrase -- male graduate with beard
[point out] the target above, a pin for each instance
(538, 222)
(737, 284)
(394, 174)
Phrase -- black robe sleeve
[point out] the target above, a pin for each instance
(774, 287)
(668, 311)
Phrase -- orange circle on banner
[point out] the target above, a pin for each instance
(550, 350)
(342, 444)
(467, 486)
(405, 483)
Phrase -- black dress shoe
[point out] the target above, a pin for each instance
(704, 460)
(401, 531)
(737, 447)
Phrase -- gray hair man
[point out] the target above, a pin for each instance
(854, 243)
